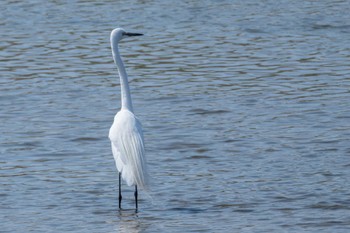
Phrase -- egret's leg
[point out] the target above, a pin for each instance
(120, 191)
(136, 196)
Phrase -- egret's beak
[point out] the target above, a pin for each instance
(132, 34)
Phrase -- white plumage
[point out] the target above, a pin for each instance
(128, 148)
(126, 132)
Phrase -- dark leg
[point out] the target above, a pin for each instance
(120, 191)
(136, 196)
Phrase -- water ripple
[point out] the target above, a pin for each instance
(245, 108)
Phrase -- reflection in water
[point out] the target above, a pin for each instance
(129, 222)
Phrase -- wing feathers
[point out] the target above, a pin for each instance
(128, 148)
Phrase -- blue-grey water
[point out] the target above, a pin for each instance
(245, 107)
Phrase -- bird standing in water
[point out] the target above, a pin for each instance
(126, 132)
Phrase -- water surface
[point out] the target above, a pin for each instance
(244, 104)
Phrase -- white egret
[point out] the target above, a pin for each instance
(126, 132)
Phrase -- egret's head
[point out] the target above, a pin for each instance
(119, 33)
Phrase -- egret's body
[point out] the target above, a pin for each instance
(126, 132)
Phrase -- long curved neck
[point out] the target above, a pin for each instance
(124, 84)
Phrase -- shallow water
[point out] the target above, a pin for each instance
(244, 104)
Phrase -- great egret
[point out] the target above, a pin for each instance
(126, 132)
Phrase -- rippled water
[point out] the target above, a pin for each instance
(245, 107)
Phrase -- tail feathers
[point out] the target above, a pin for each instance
(133, 178)
(133, 172)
